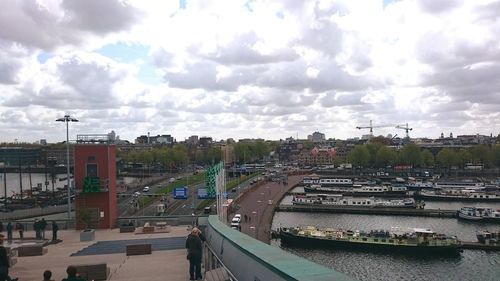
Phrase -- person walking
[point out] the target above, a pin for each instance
(9, 231)
(36, 227)
(4, 262)
(194, 246)
(55, 228)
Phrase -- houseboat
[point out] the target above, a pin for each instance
(457, 195)
(479, 214)
(410, 240)
(340, 200)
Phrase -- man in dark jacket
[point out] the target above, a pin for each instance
(194, 245)
(55, 228)
(4, 262)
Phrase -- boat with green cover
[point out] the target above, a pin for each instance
(397, 239)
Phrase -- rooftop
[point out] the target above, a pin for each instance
(167, 261)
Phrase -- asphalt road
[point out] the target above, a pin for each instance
(258, 204)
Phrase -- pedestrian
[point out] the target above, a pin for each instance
(1, 227)
(72, 274)
(36, 227)
(4, 262)
(9, 231)
(55, 228)
(43, 225)
(47, 275)
(246, 218)
(20, 228)
(194, 246)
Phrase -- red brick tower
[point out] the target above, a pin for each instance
(95, 184)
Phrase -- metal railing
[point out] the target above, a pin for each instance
(214, 268)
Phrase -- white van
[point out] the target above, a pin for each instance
(145, 189)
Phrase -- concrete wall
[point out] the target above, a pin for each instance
(251, 260)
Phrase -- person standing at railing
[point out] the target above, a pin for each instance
(194, 245)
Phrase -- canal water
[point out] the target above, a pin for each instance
(370, 266)
(14, 184)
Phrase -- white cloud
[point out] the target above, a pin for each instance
(277, 67)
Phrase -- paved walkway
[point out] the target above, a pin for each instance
(160, 265)
(256, 205)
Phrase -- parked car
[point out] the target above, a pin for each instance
(145, 189)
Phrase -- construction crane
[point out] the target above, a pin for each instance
(406, 128)
(371, 127)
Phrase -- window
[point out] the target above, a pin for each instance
(391, 241)
(92, 171)
(364, 239)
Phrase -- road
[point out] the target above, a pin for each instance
(258, 204)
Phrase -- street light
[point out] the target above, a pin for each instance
(67, 119)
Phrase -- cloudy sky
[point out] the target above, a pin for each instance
(248, 69)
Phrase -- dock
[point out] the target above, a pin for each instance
(437, 213)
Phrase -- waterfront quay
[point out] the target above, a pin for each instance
(369, 211)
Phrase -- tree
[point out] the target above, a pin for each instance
(410, 154)
(482, 154)
(373, 149)
(428, 158)
(214, 155)
(447, 157)
(385, 157)
(464, 157)
(359, 156)
(496, 155)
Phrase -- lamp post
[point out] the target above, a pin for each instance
(67, 119)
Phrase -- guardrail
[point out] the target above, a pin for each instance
(214, 268)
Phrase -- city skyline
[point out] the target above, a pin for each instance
(249, 69)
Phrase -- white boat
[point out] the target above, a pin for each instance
(479, 214)
(339, 200)
(327, 182)
(457, 195)
(465, 184)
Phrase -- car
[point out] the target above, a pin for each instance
(171, 180)
(145, 189)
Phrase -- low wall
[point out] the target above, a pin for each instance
(251, 260)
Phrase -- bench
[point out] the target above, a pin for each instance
(98, 271)
(127, 228)
(148, 229)
(138, 249)
(31, 250)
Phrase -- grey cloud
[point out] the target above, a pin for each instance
(292, 76)
(488, 12)
(438, 6)
(480, 84)
(204, 75)
(83, 84)
(32, 24)
(241, 51)
(323, 35)
(100, 16)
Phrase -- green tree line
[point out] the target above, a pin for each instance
(377, 155)
(177, 156)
